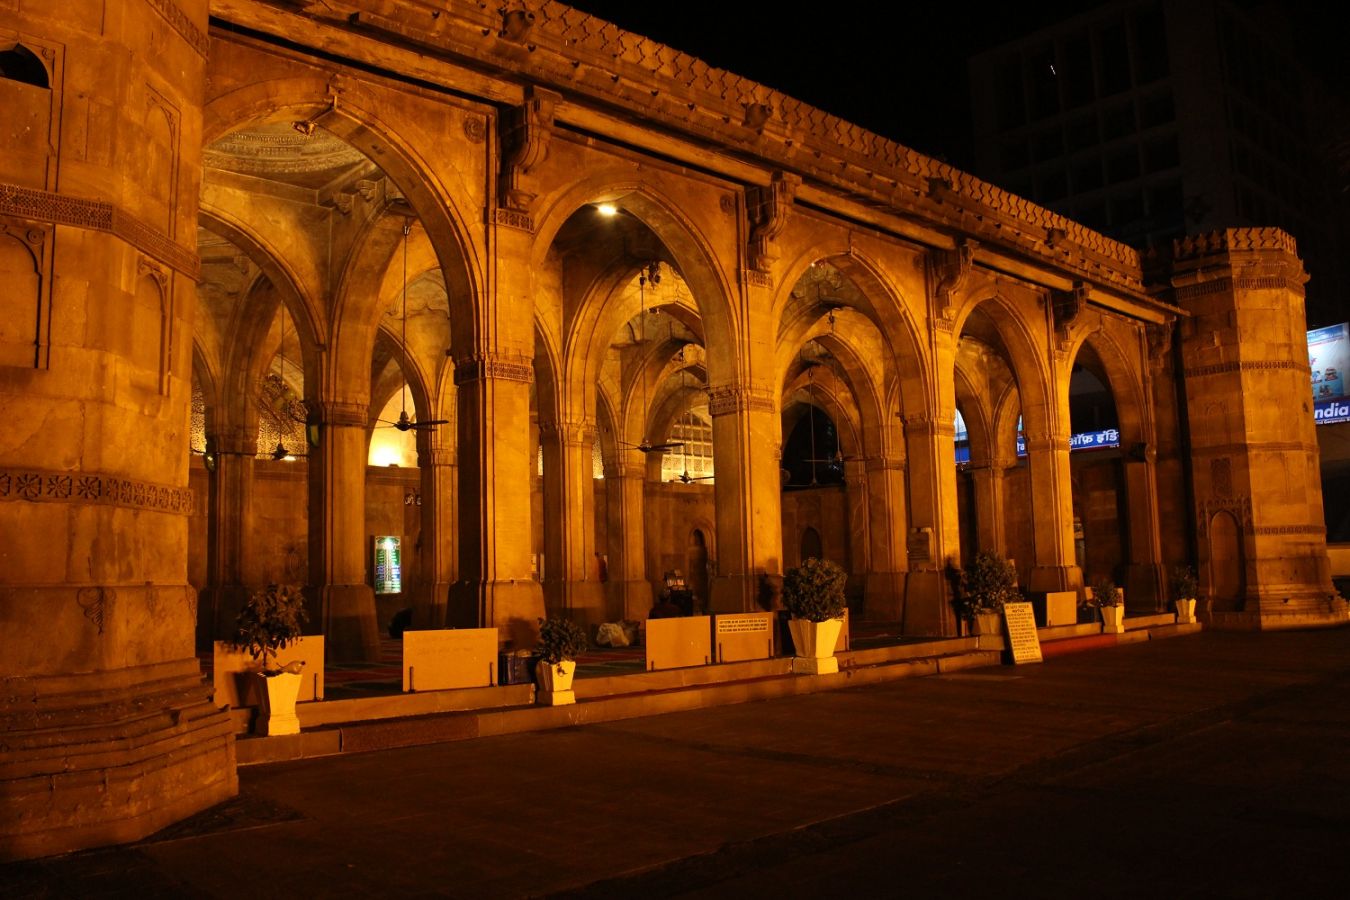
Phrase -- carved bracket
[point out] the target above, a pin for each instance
(1159, 342)
(951, 271)
(768, 208)
(525, 134)
(1067, 307)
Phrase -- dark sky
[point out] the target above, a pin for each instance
(899, 68)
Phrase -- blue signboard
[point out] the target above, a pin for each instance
(1328, 358)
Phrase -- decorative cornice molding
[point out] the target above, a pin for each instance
(484, 366)
(39, 486)
(1228, 284)
(732, 398)
(180, 23)
(1248, 365)
(1317, 530)
(98, 215)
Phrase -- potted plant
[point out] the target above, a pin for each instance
(1184, 587)
(560, 641)
(813, 595)
(269, 621)
(1106, 597)
(989, 582)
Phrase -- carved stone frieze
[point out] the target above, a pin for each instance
(180, 23)
(97, 215)
(1247, 365)
(732, 398)
(1239, 507)
(484, 366)
(768, 208)
(93, 602)
(92, 487)
(513, 218)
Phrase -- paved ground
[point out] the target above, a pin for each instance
(1209, 766)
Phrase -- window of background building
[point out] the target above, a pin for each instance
(1043, 82)
(1150, 43)
(1122, 165)
(1156, 109)
(1087, 175)
(1053, 186)
(1012, 154)
(1082, 132)
(1076, 74)
(1114, 60)
(1047, 145)
(1093, 215)
(1161, 154)
(1118, 121)
(1127, 208)
(1010, 106)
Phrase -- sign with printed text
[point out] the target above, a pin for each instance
(388, 564)
(1328, 357)
(1023, 642)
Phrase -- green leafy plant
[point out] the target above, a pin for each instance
(269, 621)
(989, 582)
(1105, 593)
(559, 639)
(814, 591)
(1184, 583)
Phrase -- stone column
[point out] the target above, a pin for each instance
(630, 589)
(107, 731)
(1054, 567)
(748, 499)
(858, 547)
(495, 587)
(989, 523)
(1145, 586)
(934, 539)
(1258, 499)
(229, 515)
(571, 582)
(888, 519)
(343, 599)
(439, 475)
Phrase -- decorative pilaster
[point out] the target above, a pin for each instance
(884, 593)
(1054, 566)
(439, 474)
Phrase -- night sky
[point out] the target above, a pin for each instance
(898, 69)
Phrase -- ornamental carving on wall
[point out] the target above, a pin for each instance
(93, 488)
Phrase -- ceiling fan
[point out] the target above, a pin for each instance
(652, 273)
(404, 421)
(686, 478)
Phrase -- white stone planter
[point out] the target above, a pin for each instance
(554, 682)
(1186, 611)
(1113, 619)
(276, 715)
(815, 643)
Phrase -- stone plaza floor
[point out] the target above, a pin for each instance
(1208, 766)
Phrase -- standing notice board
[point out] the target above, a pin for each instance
(1024, 644)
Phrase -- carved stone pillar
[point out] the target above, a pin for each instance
(1054, 568)
(495, 586)
(888, 518)
(933, 541)
(749, 509)
(229, 514)
(338, 544)
(439, 559)
(630, 590)
(571, 581)
(989, 521)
